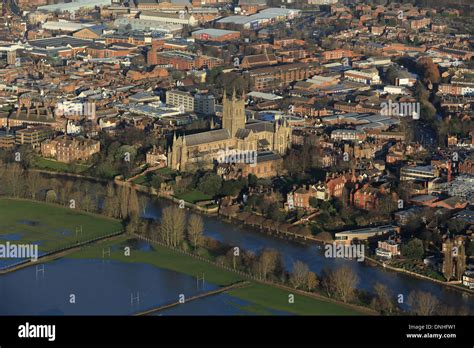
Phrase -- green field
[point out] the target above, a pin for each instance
(48, 164)
(166, 174)
(267, 296)
(262, 297)
(52, 225)
(194, 196)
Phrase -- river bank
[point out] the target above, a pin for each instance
(306, 303)
(252, 239)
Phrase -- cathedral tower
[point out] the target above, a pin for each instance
(233, 113)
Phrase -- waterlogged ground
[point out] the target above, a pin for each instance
(247, 239)
(51, 227)
(100, 288)
(221, 304)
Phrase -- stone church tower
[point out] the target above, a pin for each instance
(233, 113)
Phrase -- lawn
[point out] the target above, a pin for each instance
(262, 298)
(48, 164)
(194, 196)
(141, 180)
(267, 296)
(50, 225)
(165, 173)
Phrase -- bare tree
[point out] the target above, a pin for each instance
(461, 262)
(111, 203)
(448, 260)
(173, 224)
(422, 303)
(33, 183)
(195, 229)
(299, 274)
(13, 179)
(311, 281)
(133, 204)
(123, 199)
(384, 300)
(267, 263)
(342, 282)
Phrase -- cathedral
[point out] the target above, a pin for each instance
(189, 152)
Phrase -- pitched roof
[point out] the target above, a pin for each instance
(259, 126)
(207, 137)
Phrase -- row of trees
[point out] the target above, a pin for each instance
(118, 202)
(177, 230)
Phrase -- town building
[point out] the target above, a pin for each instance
(388, 249)
(201, 149)
(68, 150)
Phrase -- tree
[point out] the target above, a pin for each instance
(173, 225)
(13, 179)
(299, 274)
(111, 202)
(341, 282)
(429, 69)
(460, 262)
(414, 249)
(33, 183)
(133, 204)
(210, 184)
(123, 199)
(448, 260)
(195, 230)
(384, 300)
(422, 303)
(302, 277)
(232, 187)
(387, 204)
(311, 281)
(266, 263)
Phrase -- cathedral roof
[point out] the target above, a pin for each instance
(242, 133)
(260, 126)
(207, 137)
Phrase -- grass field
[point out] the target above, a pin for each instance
(275, 298)
(165, 173)
(194, 196)
(50, 225)
(262, 297)
(48, 164)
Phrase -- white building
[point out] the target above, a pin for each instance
(367, 76)
(73, 128)
(170, 18)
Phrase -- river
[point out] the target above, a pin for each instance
(106, 287)
(248, 239)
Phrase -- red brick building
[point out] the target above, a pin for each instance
(186, 61)
(281, 75)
